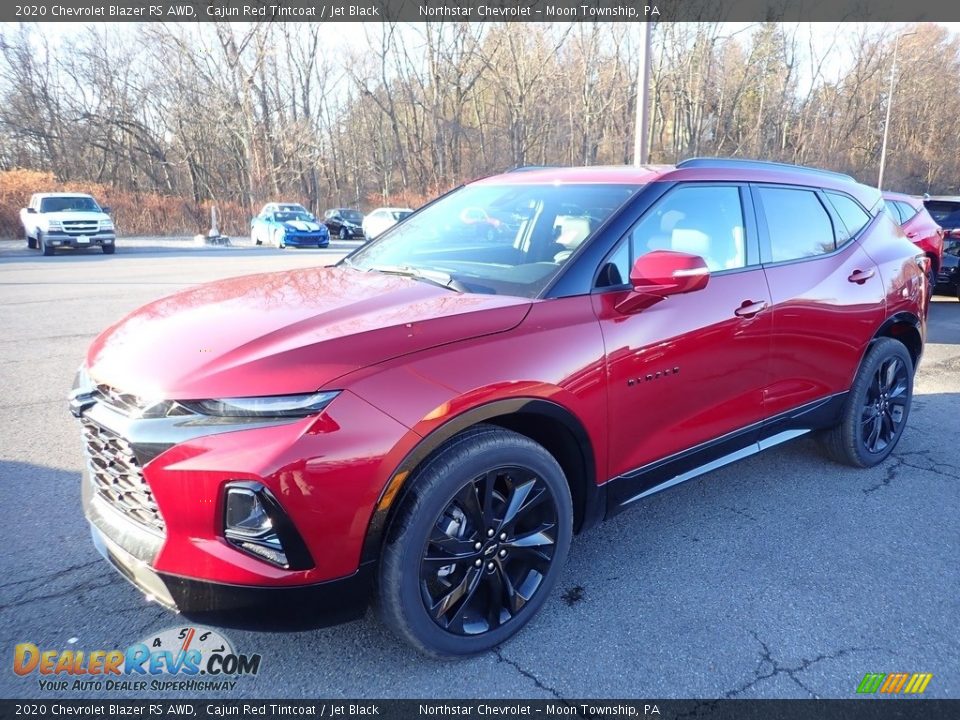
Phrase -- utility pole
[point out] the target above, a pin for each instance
(886, 124)
(641, 130)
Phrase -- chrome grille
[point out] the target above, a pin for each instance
(125, 403)
(116, 476)
(81, 227)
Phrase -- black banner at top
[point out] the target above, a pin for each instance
(478, 10)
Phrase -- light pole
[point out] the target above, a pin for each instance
(641, 130)
(886, 124)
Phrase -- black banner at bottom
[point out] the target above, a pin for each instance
(866, 709)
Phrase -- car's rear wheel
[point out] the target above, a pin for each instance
(279, 241)
(477, 544)
(31, 243)
(876, 409)
(109, 249)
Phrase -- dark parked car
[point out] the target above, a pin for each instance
(345, 223)
(435, 417)
(945, 210)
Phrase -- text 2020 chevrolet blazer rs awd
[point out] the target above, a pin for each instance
(433, 418)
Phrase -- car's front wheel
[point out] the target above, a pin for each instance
(477, 545)
(344, 233)
(876, 408)
(42, 243)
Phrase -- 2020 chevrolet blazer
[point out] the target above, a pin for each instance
(433, 418)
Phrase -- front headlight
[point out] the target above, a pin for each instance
(54, 225)
(106, 224)
(266, 407)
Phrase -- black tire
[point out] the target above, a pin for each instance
(31, 243)
(109, 249)
(526, 551)
(47, 250)
(344, 233)
(877, 407)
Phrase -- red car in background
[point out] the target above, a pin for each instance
(432, 419)
(920, 228)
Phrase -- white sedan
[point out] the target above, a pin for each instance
(381, 219)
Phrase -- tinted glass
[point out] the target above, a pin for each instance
(950, 221)
(352, 215)
(894, 210)
(798, 224)
(701, 220)
(951, 247)
(287, 216)
(907, 211)
(940, 210)
(854, 217)
(498, 239)
(61, 204)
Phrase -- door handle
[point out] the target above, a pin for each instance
(749, 308)
(861, 276)
(912, 234)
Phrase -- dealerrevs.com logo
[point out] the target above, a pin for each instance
(184, 658)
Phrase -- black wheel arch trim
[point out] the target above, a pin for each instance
(899, 318)
(589, 501)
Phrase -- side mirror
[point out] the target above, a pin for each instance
(31, 211)
(952, 234)
(105, 209)
(661, 273)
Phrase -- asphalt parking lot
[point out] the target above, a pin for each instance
(781, 576)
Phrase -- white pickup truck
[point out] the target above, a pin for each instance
(67, 220)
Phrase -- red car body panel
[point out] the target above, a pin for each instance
(285, 333)
(669, 369)
(410, 359)
(921, 229)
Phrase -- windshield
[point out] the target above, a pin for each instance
(293, 208)
(351, 215)
(61, 204)
(288, 216)
(399, 215)
(497, 239)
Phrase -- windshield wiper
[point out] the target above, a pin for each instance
(434, 277)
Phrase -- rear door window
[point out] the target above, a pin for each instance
(798, 224)
(907, 211)
(894, 210)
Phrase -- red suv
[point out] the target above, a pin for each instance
(437, 415)
(920, 228)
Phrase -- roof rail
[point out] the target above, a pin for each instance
(720, 163)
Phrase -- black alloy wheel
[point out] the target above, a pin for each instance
(876, 409)
(479, 539)
(489, 551)
(885, 405)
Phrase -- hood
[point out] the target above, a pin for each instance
(285, 333)
(302, 225)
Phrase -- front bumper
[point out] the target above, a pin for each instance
(62, 239)
(326, 471)
(307, 240)
(323, 603)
